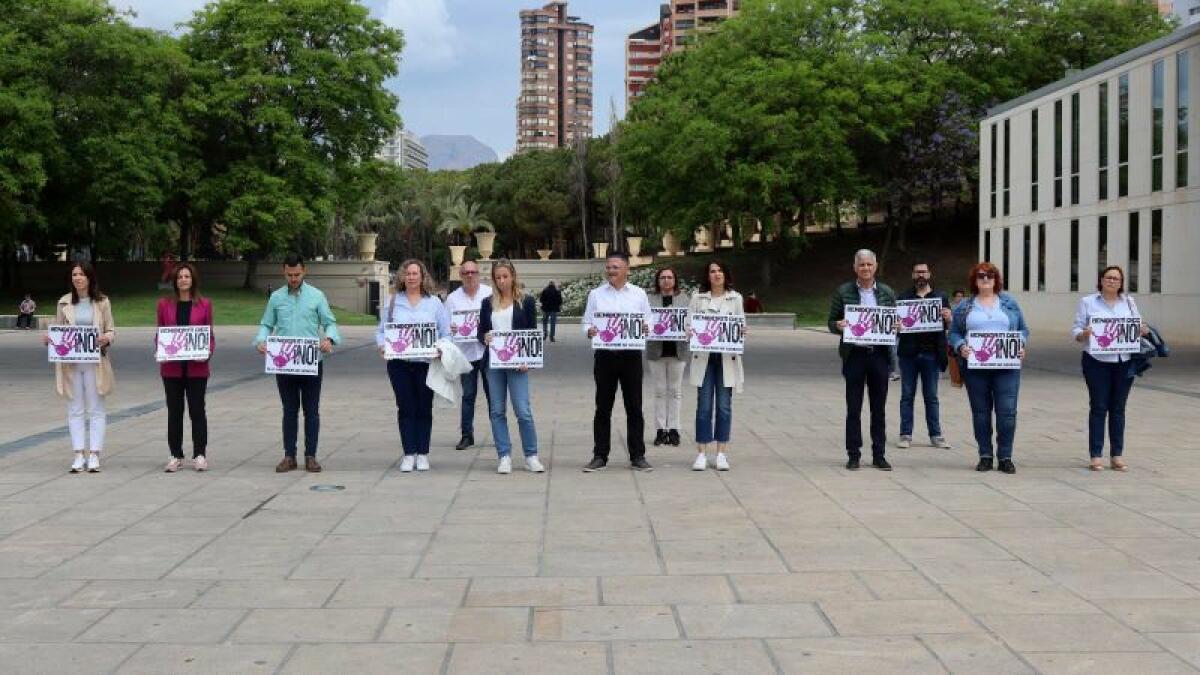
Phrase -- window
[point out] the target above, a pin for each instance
(1134, 253)
(1004, 254)
(993, 174)
(1006, 162)
(987, 246)
(1041, 277)
(1102, 249)
(1157, 73)
(1181, 119)
(1103, 176)
(1025, 260)
(1033, 167)
(1074, 255)
(1058, 148)
(1075, 148)
(1156, 251)
(1123, 135)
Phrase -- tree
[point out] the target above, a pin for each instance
(290, 99)
(463, 219)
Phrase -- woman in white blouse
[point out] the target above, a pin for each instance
(1109, 377)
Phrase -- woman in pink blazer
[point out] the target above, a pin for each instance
(186, 380)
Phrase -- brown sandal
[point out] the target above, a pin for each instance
(1096, 465)
(1118, 465)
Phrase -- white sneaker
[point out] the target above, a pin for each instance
(173, 465)
(422, 462)
(701, 462)
(905, 442)
(93, 463)
(200, 463)
(406, 464)
(533, 464)
(78, 464)
(722, 462)
(940, 442)
(505, 465)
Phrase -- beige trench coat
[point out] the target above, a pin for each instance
(104, 321)
(732, 373)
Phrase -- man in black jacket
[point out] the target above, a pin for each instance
(551, 305)
(924, 356)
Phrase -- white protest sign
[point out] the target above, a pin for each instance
(995, 350)
(870, 325)
(1115, 335)
(416, 340)
(619, 330)
(511, 349)
(466, 325)
(73, 344)
(293, 356)
(719, 333)
(923, 315)
(668, 324)
(183, 343)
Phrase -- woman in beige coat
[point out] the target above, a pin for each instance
(716, 375)
(85, 385)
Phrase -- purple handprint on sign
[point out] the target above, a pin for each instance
(282, 357)
(70, 339)
(177, 342)
(706, 336)
(985, 350)
(611, 331)
(402, 341)
(910, 316)
(469, 325)
(1108, 336)
(663, 325)
(862, 325)
(506, 352)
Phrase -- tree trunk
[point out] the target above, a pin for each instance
(251, 271)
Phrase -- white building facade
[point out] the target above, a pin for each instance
(405, 150)
(1101, 168)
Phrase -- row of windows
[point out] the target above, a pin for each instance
(1132, 265)
(999, 199)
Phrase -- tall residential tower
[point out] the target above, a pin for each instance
(675, 29)
(555, 104)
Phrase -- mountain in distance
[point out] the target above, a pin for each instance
(456, 152)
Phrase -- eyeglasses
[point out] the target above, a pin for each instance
(1116, 279)
(470, 274)
(985, 275)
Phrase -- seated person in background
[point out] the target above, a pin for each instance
(751, 304)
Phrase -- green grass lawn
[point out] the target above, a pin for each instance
(232, 307)
(809, 310)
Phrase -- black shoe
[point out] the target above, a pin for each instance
(852, 464)
(660, 437)
(1006, 466)
(465, 442)
(640, 464)
(552, 339)
(985, 464)
(881, 464)
(673, 437)
(597, 464)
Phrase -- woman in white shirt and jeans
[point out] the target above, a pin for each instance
(1109, 377)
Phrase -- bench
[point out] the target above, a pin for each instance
(40, 321)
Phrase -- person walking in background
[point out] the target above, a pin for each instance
(186, 381)
(85, 385)
(1109, 377)
(617, 367)
(298, 309)
(25, 312)
(863, 365)
(509, 308)
(922, 356)
(990, 391)
(667, 361)
(469, 297)
(716, 376)
(551, 299)
(412, 301)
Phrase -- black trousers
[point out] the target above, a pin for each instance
(866, 367)
(296, 392)
(191, 389)
(614, 368)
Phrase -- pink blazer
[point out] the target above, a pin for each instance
(201, 315)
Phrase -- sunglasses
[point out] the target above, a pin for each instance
(985, 275)
(470, 274)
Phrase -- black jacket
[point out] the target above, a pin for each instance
(908, 342)
(551, 299)
(524, 317)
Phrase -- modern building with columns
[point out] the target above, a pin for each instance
(1100, 168)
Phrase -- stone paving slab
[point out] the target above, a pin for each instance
(788, 563)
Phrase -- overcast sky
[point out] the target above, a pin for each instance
(459, 73)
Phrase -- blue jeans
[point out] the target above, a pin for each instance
(925, 366)
(516, 385)
(296, 391)
(414, 404)
(1108, 389)
(713, 390)
(988, 391)
(470, 387)
(549, 323)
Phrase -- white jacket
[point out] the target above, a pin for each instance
(444, 372)
(732, 373)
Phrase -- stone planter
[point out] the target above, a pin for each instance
(485, 240)
(670, 243)
(544, 253)
(366, 245)
(456, 254)
(635, 246)
(600, 248)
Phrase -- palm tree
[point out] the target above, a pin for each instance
(462, 219)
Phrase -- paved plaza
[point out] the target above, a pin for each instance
(788, 563)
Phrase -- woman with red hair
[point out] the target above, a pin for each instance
(990, 391)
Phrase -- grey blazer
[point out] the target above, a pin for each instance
(654, 349)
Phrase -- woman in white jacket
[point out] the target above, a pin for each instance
(716, 375)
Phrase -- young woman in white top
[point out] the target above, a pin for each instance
(716, 375)
(1109, 377)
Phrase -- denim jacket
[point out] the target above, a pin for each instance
(958, 321)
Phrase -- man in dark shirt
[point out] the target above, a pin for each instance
(924, 356)
(551, 305)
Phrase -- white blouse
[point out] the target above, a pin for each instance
(1094, 306)
(502, 319)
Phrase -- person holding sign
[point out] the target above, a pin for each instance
(616, 320)
(463, 308)
(1110, 327)
(509, 308)
(185, 380)
(667, 358)
(299, 310)
(924, 315)
(990, 389)
(412, 302)
(715, 374)
(865, 363)
(85, 383)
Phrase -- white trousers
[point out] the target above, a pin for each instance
(667, 376)
(85, 410)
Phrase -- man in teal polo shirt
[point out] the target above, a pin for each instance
(299, 310)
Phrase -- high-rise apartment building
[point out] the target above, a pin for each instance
(405, 150)
(675, 29)
(555, 104)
